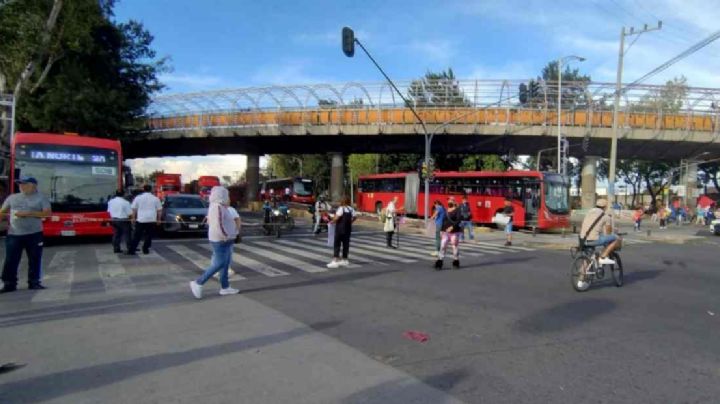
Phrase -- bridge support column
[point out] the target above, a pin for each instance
(336, 177)
(252, 177)
(689, 170)
(589, 177)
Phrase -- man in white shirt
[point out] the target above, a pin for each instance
(320, 207)
(120, 213)
(147, 211)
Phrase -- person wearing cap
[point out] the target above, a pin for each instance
(26, 210)
(601, 233)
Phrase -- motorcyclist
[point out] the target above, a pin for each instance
(321, 207)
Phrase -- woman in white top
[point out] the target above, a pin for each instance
(389, 225)
(221, 233)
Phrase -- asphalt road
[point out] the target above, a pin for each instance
(506, 328)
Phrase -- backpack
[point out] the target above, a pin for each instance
(383, 215)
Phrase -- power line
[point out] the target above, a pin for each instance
(705, 42)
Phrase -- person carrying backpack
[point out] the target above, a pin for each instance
(466, 219)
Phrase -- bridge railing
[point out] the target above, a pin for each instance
(497, 102)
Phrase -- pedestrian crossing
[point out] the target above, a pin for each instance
(88, 269)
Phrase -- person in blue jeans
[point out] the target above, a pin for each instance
(438, 216)
(26, 210)
(466, 217)
(221, 234)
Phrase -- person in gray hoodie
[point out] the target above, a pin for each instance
(221, 234)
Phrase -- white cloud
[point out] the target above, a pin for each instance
(437, 51)
(190, 81)
(192, 167)
(509, 71)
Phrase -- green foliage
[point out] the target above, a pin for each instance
(670, 98)
(96, 76)
(362, 164)
(437, 90)
(314, 166)
(484, 162)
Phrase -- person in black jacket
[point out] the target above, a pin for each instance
(451, 231)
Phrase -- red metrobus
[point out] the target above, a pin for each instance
(539, 199)
(206, 183)
(301, 189)
(77, 174)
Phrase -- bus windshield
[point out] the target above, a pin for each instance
(303, 187)
(556, 196)
(73, 186)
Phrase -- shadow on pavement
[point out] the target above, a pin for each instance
(629, 278)
(564, 316)
(134, 303)
(59, 384)
(407, 390)
(498, 261)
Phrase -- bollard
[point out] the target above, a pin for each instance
(574, 229)
(648, 233)
(534, 231)
(563, 232)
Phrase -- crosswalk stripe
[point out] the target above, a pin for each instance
(356, 247)
(303, 253)
(354, 255)
(384, 250)
(485, 247)
(418, 249)
(295, 263)
(423, 247)
(252, 264)
(198, 259)
(62, 272)
(485, 243)
(112, 273)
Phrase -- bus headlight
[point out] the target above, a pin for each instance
(178, 218)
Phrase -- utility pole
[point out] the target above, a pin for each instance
(616, 106)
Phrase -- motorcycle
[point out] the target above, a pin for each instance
(325, 218)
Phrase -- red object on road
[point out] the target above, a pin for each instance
(416, 336)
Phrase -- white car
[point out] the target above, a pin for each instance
(715, 227)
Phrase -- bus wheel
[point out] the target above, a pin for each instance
(378, 208)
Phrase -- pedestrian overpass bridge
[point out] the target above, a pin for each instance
(467, 116)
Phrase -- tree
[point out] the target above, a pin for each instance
(574, 85)
(485, 162)
(362, 164)
(710, 173)
(97, 75)
(669, 99)
(314, 166)
(629, 172)
(437, 90)
(656, 176)
(153, 175)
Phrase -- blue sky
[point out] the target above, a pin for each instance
(232, 44)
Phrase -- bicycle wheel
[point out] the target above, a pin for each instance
(617, 269)
(580, 281)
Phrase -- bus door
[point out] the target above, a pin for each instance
(531, 201)
(412, 187)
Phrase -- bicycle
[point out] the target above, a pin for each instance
(586, 259)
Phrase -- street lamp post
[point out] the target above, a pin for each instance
(560, 165)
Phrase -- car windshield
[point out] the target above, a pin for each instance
(185, 203)
(303, 187)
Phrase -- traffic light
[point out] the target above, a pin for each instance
(348, 42)
(534, 90)
(523, 93)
